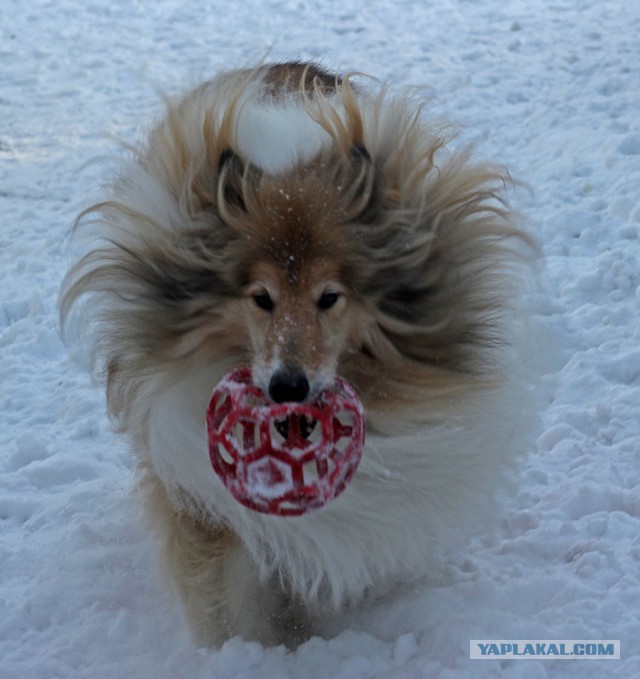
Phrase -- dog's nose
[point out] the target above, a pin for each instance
(288, 385)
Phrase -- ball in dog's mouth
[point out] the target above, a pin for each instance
(285, 459)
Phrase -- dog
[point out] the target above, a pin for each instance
(308, 225)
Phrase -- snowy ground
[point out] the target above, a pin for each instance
(550, 88)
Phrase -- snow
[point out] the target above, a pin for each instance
(552, 89)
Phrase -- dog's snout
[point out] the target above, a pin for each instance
(289, 385)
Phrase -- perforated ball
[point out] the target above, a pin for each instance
(285, 459)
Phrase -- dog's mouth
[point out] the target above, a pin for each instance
(296, 425)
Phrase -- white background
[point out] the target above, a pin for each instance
(550, 88)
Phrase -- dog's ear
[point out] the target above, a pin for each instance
(362, 194)
(225, 157)
(359, 153)
(232, 171)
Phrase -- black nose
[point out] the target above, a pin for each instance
(288, 385)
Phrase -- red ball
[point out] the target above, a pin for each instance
(285, 459)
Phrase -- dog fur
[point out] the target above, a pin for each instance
(289, 219)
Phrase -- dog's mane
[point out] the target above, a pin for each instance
(427, 239)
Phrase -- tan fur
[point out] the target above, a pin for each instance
(202, 560)
(195, 556)
(417, 242)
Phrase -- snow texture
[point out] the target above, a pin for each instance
(552, 89)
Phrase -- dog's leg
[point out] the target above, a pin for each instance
(216, 579)
(261, 611)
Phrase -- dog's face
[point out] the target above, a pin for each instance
(299, 323)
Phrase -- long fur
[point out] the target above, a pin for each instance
(297, 168)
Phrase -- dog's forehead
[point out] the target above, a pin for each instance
(297, 226)
(289, 271)
(295, 200)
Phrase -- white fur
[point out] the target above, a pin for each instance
(408, 498)
(275, 137)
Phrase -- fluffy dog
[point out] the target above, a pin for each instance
(292, 220)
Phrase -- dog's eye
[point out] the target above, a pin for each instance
(263, 301)
(327, 300)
